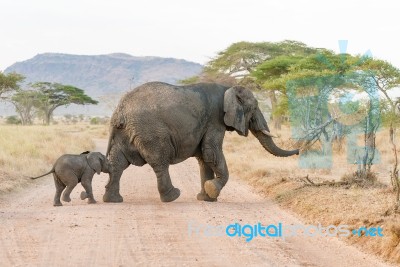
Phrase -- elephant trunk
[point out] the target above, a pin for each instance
(269, 145)
(106, 167)
(259, 128)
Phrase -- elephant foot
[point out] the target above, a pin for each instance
(205, 197)
(114, 197)
(212, 188)
(91, 201)
(172, 194)
(66, 199)
(83, 195)
(57, 204)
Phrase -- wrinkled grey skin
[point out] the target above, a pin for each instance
(69, 169)
(162, 124)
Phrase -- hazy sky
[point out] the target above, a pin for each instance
(193, 30)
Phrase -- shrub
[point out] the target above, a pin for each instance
(95, 120)
(13, 120)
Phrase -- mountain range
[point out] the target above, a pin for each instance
(102, 76)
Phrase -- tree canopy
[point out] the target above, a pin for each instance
(9, 82)
(235, 63)
(274, 75)
(384, 75)
(246, 56)
(44, 97)
(25, 102)
(54, 95)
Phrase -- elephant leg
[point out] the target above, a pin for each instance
(167, 191)
(206, 173)
(118, 163)
(214, 158)
(213, 187)
(70, 186)
(59, 188)
(87, 185)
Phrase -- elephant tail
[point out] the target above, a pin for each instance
(112, 132)
(52, 170)
(117, 122)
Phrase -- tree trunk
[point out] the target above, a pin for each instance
(23, 122)
(278, 122)
(47, 118)
(394, 175)
(366, 158)
(22, 116)
(49, 114)
(277, 119)
(27, 117)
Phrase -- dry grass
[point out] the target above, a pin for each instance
(94, 131)
(31, 150)
(280, 179)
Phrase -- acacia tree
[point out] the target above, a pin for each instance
(274, 74)
(241, 58)
(24, 103)
(387, 77)
(311, 82)
(9, 82)
(267, 74)
(235, 63)
(54, 95)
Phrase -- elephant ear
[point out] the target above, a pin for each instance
(94, 161)
(234, 113)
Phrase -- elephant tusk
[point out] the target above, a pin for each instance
(267, 133)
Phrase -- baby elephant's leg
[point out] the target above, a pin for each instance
(87, 185)
(71, 181)
(59, 188)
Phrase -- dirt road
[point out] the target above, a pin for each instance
(143, 231)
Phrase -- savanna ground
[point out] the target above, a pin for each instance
(284, 181)
(32, 150)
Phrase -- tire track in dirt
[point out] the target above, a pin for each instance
(143, 231)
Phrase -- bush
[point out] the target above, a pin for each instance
(99, 120)
(95, 120)
(13, 120)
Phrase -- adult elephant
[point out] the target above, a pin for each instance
(162, 124)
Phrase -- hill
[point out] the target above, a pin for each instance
(103, 75)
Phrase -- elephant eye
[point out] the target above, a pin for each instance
(239, 100)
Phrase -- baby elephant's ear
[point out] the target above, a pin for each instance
(94, 161)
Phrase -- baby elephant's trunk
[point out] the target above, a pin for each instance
(106, 167)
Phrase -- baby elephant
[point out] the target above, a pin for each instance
(69, 170)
